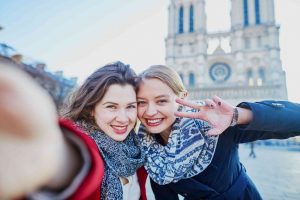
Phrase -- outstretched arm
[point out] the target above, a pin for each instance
(217, 112)
(33, 151)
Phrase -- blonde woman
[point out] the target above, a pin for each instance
(193, 150)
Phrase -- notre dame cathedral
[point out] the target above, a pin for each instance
(247, 69)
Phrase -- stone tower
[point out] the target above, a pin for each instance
(247, 69)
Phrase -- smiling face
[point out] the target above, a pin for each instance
(116, 113)
(156, 106)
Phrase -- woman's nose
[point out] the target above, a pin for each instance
(151, 110)
(122, 116)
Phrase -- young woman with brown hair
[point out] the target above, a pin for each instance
(95, 158)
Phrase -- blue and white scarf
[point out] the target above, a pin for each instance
(189, 151)
(121, 159)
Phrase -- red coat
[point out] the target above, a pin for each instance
(90, 187)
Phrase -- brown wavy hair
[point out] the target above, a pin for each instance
(82, 101)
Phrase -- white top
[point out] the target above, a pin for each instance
(131, 190)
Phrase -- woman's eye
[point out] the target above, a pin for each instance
(111, 107)
(141, 103)
(132, 106)
(162, 101)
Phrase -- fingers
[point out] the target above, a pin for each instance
(217, 100)
(210, 103)
(220, 102)
(190, 104)
(207, 104)
(197, 115)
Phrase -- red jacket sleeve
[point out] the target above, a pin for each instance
(90, 187)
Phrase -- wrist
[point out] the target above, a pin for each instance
(235, 117)
(244, 116)
(69, 162)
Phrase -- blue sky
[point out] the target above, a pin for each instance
(77, 36)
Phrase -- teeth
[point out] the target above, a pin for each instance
(119, 127)
(154, 121)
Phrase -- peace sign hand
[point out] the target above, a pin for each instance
(215, 111)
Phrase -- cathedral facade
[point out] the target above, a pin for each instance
(247, 69)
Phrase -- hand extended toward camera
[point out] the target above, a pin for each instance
(31, 144)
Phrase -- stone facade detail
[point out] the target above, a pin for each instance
(247, 69)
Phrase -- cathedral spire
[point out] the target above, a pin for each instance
(186, 17)
(252, 12)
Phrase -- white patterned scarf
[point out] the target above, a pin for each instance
(121, 159)
(189, 151)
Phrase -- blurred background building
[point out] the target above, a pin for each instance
(55, 83)
(240, 64)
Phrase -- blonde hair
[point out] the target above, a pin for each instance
(167, 75)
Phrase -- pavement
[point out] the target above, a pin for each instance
(275, 171)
